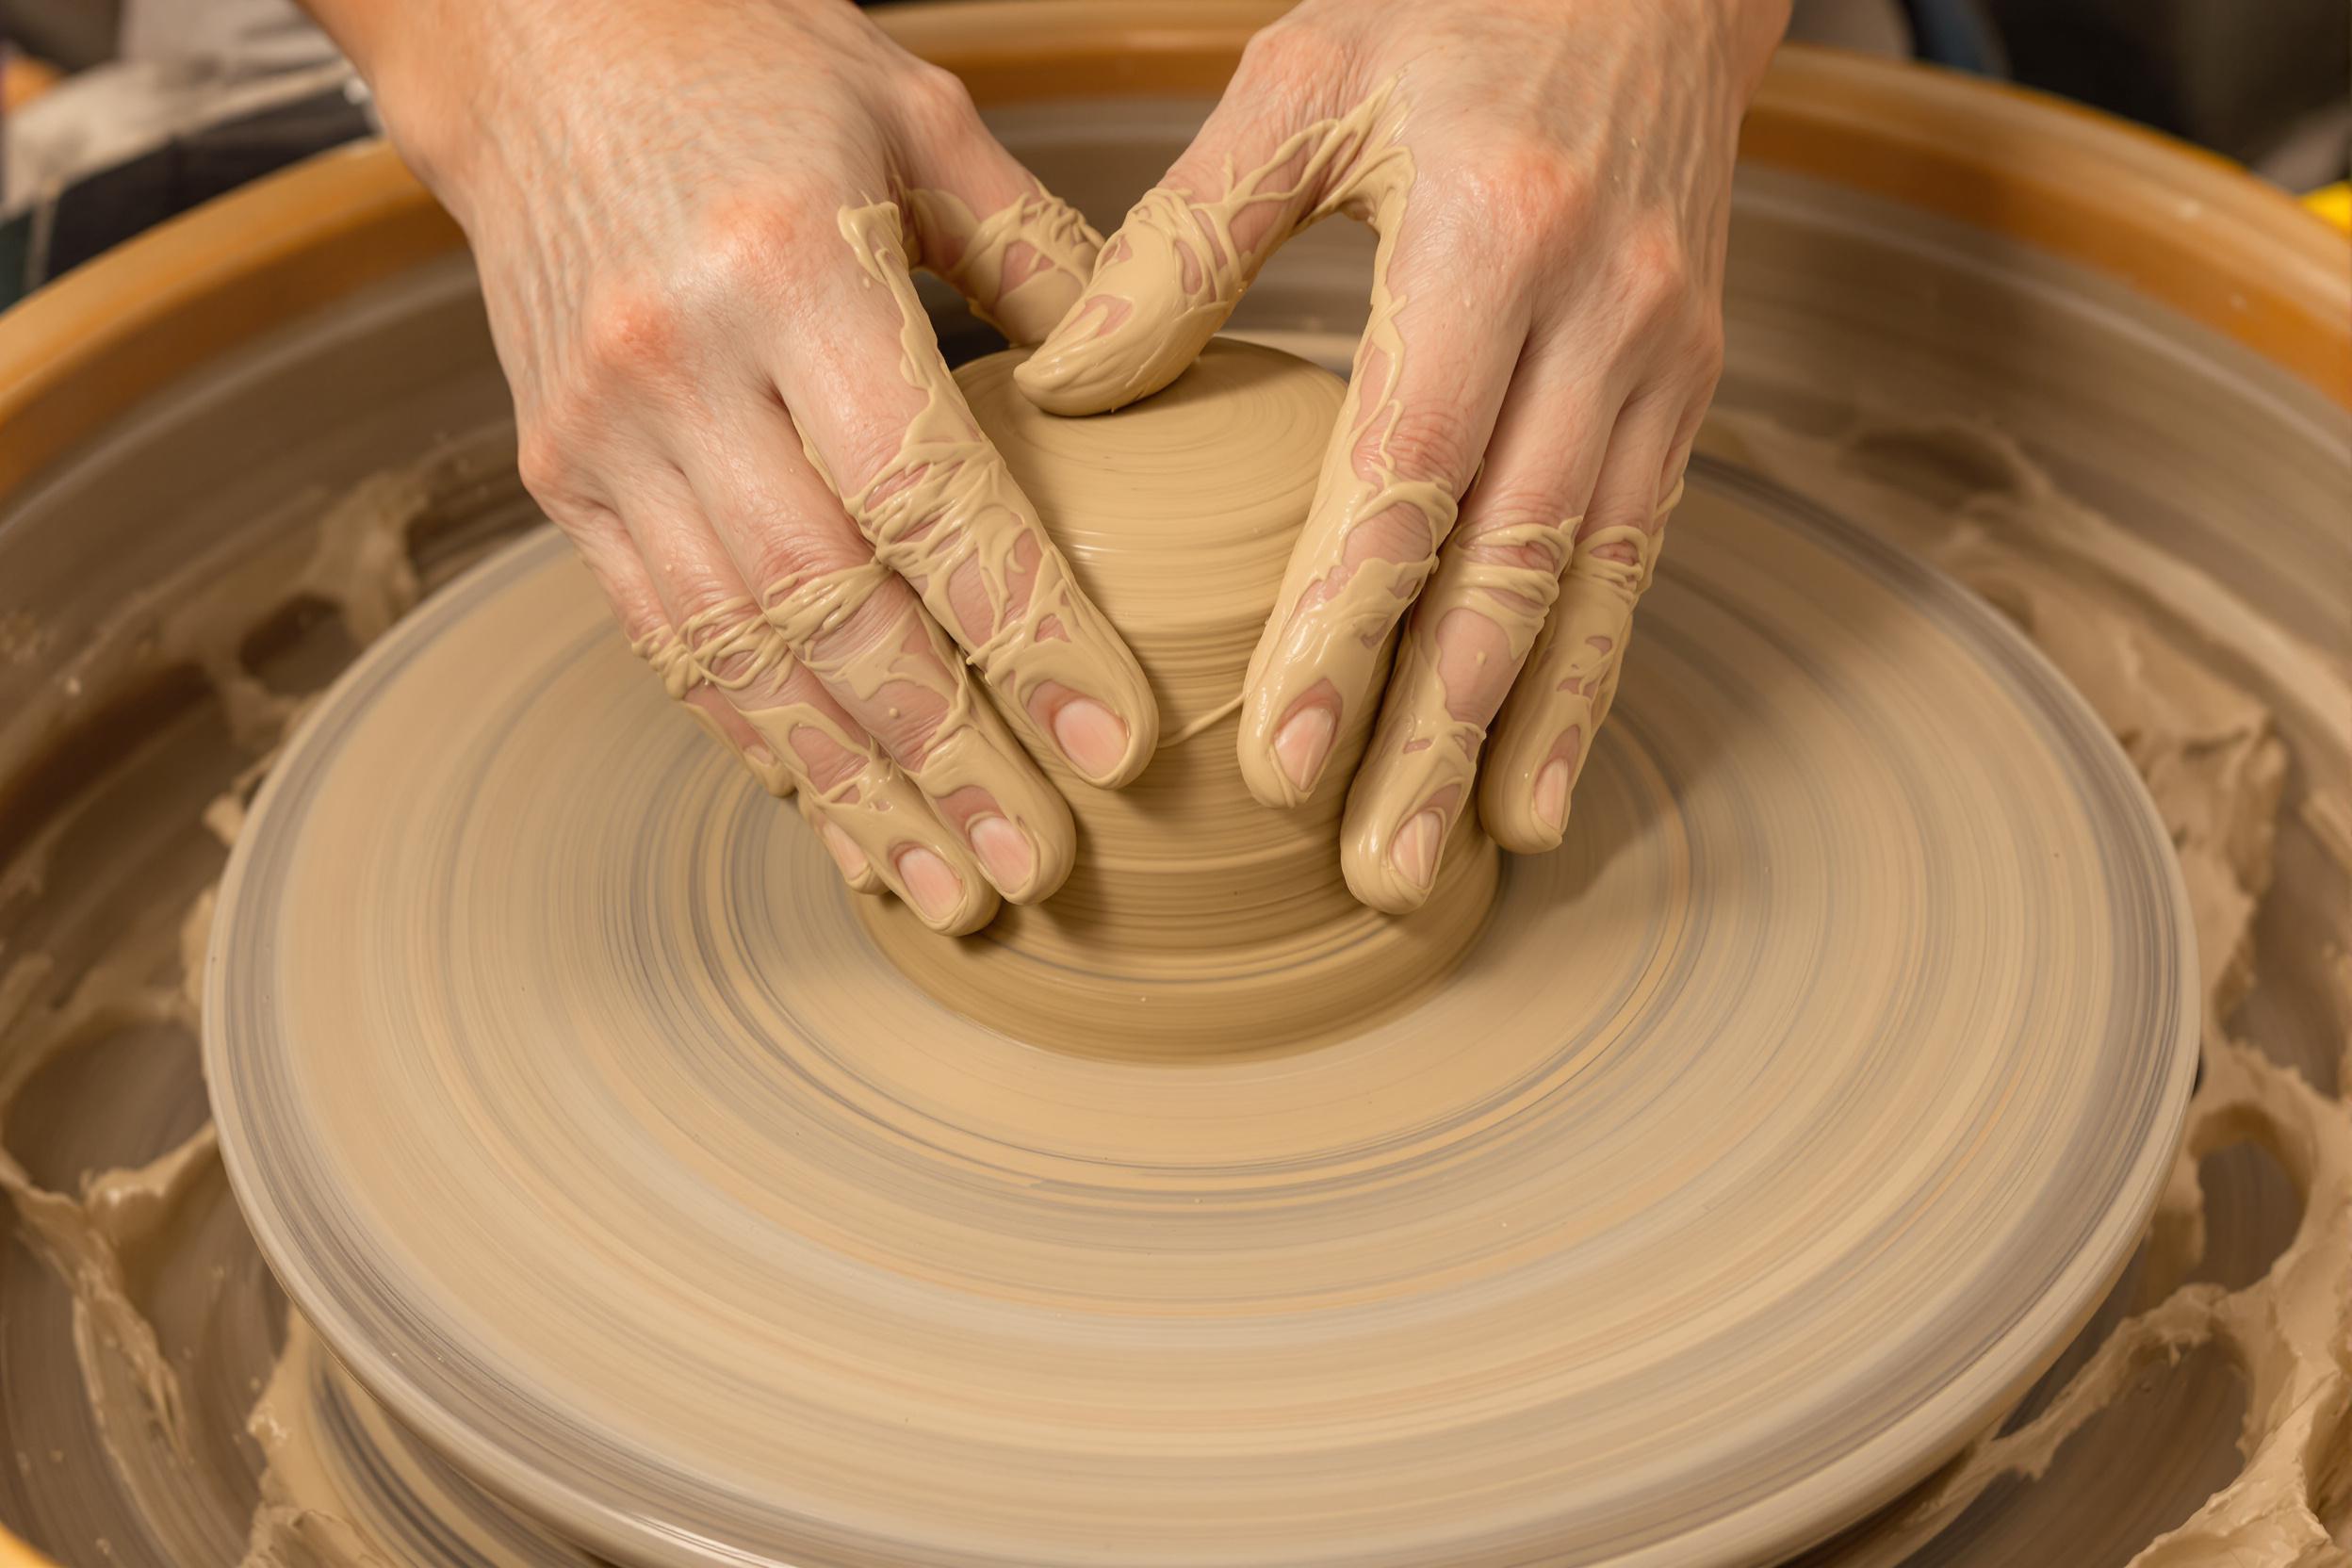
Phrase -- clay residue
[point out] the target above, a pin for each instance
(2145, 643)
(131, 1256)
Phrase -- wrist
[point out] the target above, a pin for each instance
(426, 63)
(1752, 29)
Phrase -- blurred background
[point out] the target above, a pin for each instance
(116, 114)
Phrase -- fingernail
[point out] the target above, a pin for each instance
(845, 853)
(1091, 736)
(1551, 794)
(1003, 849)
(1045, 369)
(1060, 378)
(935, 888)
(1044, 376)
(1415, 851)
(1305, 743)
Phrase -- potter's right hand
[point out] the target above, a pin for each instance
(694, 220)
(1550, 184)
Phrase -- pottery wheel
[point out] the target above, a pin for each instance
(1759, 1148)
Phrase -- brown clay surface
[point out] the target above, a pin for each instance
(1768, 1140)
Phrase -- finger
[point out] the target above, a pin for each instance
(1670, 488)
(613, 560)
(722, 649)
(604, 546)
(982, 224)
(888, 430)
(1471, 632)
(1428, 382)
(1545, 730)
(859, 631)
(1180, 263)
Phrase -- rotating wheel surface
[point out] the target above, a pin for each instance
(1772, 1136)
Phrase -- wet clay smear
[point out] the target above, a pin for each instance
(157, 1407)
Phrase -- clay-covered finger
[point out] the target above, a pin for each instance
(1474, 628)
(611, 556)
(1172, 274)
(1544, 733)
(1464, 644)
(858, 630)
(718, 654)
(891, 436)
(1422, 402)
(731, 672)
(871, 818)
(865, 636)
(981, 223)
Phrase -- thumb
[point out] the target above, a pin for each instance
(1180, 263)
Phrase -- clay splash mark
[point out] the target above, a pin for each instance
(2213, 761)
(107, 1242)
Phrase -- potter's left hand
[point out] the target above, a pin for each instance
(1549, 181)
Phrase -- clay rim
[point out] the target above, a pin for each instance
(85, 349)
(1847, 1490)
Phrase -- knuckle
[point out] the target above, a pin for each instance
(1293, 56)
(640, 622)
(708, 612)
(781, 555)
(759, 246)
(1519, 524)
(884, 618)
(1659, 277)
(1526, 190)
(1702, 358)
(723, 636)
(938, 100)
(1430, 441)
(633, 333)
(543, 458)
(829, 766)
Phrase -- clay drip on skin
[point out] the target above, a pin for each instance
(1566, 617)
(1178, 270)
(873, 805)
(944, 509)
(1020, 266)
(940, 514)
(2138, 641)
(1183, 261)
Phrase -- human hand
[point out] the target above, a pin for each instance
(694, 220)
(1550, 187)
